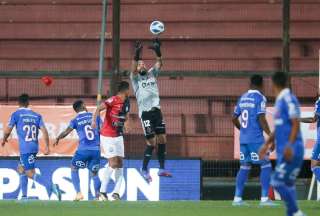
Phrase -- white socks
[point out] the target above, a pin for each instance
(106, 175)
(264, 199)
(118, 178)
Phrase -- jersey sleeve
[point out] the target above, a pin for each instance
(134, 77)
(109, 102)
(237, 110)
(261, 106)
(72, 124)
(12, 121)
(41, 122)
(154, 71)
(293, 108)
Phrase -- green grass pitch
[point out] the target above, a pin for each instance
(177, 208)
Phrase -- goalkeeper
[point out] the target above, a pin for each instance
(144, 83)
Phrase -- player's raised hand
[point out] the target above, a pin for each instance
(137, 50)
(156, 45)
(138, 46)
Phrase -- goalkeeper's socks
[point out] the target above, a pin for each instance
(147, 157)
(265, 175)
(24, 184)
(288, 195)
(316, 172)
(161, 155)
(241, 180)
(106, 175)
(96, 184)
(118, 179)
(75, 179)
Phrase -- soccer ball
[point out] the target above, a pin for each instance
(156, 27)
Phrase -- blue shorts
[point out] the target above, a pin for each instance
(28, 161)
(316, 151)
(87, 159)
(249, 153)
(287, 172)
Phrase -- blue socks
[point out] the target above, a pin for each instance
(24, 184)
(242, 178)
(265, 176)
(96, 184)
(75, 179)
(288, 195)
(316, 171)
(38, 178)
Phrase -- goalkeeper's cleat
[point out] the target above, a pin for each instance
(116, 196)
(103, 196)
(239, 203)
(164, 173)
(78, 197)
(56, 190)
(145, 174)
(268, 203)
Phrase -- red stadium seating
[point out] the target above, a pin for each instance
(211, 35)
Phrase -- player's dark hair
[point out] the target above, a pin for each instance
(123, 86)
(78, 105)
(23, 100)
(280, 79)
(256, 80)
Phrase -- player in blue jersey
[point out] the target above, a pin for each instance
(88, 152)
(250, 118)
(28, 123)
(315, 157)
(288, 141)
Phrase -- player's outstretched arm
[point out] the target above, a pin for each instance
(156, 47)
(137, 56)
(264, 124)
(62, 135)
(100, 108)
(46, 139)
(6, 135)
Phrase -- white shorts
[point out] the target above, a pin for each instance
(112, 146)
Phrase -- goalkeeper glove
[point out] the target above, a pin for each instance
(137, 50)
(156, 45)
